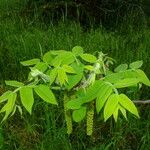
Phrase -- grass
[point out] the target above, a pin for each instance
(22, 38)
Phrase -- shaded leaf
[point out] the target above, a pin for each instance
(74, 103)
(77, 50)
(136, 64)
(30, 62)
(14, 83)
(79, 114)
(121, 67)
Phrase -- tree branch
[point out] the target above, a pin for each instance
(141, 101)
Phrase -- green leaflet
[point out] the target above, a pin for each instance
(126, 82)
(136, 64)
(93, 90)
(53, 75)
(9, 106)
(27, 99)
(102, 96)
(115, 114)
(62, 76)
(77, 50)
(75, 78)
(5, 96)
(67, 58)
(142, 76)
(48, 57)
(89, 67)
(57, 52)
(56, 62)
(45, 93)
(41, 66)
(88, 58)
(110, 106)
(75, 103)
(79, 114)
(128, 104)
(14, 83)
(30, 62)
(123, 111)
(116, 77)
(121, 67)
(68, 69)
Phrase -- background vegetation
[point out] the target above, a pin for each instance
(28, 29)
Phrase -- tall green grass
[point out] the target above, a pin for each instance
(22, 38)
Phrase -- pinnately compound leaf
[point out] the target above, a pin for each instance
(45, 93)
(27, 99)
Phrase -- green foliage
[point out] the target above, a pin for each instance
(84, 81)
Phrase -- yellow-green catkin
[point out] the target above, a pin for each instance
(89, 121)
(68, 117)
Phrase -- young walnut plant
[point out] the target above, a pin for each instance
(85, 80)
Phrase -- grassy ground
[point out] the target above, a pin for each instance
(22, 38)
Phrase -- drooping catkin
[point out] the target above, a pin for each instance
(67, 113)
(89, 121)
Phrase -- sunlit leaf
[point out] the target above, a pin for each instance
(27, 99)
(53, 75)
(88, 58)
(62, 76)
(45, 93)
(115, 114)
(103, 94)
(48, 57)
(8, 107)
(68, 69)
(128, 104)
(126, 82)
(143, 78)
(5, 96)
(110, 106)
